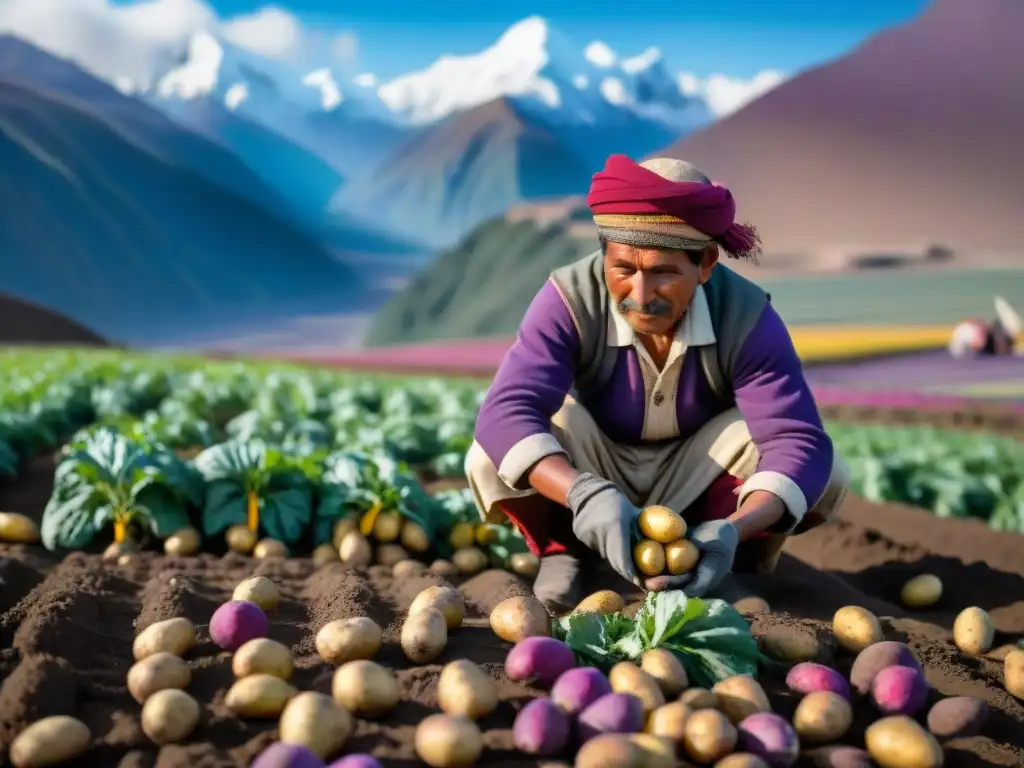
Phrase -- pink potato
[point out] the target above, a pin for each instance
(539, 660)
(356, 761)
(612, 713)
(541, 728)
(899, 691)
(578, 688)
(809, 677)
(877, 657)
(281, 755)
(237, 622)
(770, 737)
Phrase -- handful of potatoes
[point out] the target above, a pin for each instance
(663, 548)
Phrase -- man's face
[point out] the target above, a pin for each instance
(653, 286)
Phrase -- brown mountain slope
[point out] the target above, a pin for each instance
(25, 323)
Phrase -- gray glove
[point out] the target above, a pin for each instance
(605, 521)
(716, 541)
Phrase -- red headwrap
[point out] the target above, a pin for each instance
(625, 187)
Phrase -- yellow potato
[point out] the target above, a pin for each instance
(325, 554)
(649, 557)
(18, 529)
(681, 556)
(1013, 673)
(752, 604)
(661, 524)
(822, 717)
(791, 644)
(699, 698)
(524, 564)
(157, 672)
(627, 677)
(176, 636)
(424, 635)
(355, 550)
(669, 720)
(709, 736)
(660, 751)
(462, 535)
(899, 742)
(613, 749)
(49, 741)
(344, 640)
(519, 617)
(240, 539)
(740, 696)
(447, 600)
(741, 760)
(169, 716)
(316, 722)
(391, 554)
(856, 628)
(414, 538)
(469, 560)
(120, 549)
(444, 568)
(259, 590)
(365, 688)
(486, 533)
(343, 528)
(407, 569)
(183, 543)
(466, 690)
(921, 591)
(387, 526)
(259, 696)
(665, 667)
(263, 656)
(269, 548)
(973, 631)
(445, 741)
(605, 601)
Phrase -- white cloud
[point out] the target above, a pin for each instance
(600, 55)
(365, 80)
(269, 31)
(724, 94)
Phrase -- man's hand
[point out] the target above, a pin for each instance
(716, 541)
(604, 520)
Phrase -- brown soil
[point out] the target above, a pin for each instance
(25, 323)
(66, 629)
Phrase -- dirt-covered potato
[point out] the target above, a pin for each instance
(661, 524)
(1013, 673)
(669, 720)
(169, 716)
(184, 542)
(316, 722)
(18, 529)
(957, 717)
(740, 696)
(605, 601)
(424, 635)
(627, 677)
(709, 736)
(525, 564)
(365, 688)
(445, 741)
(407, 569)
(259, 590)
(49, 741)
(741, 760)
(120, 552)
(389, 554)
(681, 556)
(973, 631)
(822, 717)
(444, 568)
(752, 604)
(840, 756)
(520, 617)
(176, 636)
(259, 696)
(899, 742)
(157, 672)
(240, 539)
(699, 698)
(355, 550)
(922, 591)
(445, 599)
(414, 538)
(263, 656)
(344, 640)
(269, 548)
(469, 560)
(790, 644)
(649, 557)
(343, 528)
(465, 689)
(325, 554)
(856, 628)
(462, 535)
(387, 526)
(665, 667)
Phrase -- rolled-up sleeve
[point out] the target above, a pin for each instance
(776, 402)
(514, 424)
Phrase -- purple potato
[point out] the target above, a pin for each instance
(612, 713)
(541, 728)
(808, 677)
(770, 737)
(356, 761)
(899, 691)
(281, 755)
(539, 660)
(578, 688)
(841, 757)
(877, 657)
(236, 623)
(957, 717)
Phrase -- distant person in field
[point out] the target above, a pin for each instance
(1002, 337)
(650, 373)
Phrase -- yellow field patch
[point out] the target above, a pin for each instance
(832, 342)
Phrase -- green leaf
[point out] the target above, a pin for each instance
(68, 519)
(225, 505)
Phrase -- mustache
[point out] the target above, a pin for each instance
(656, 307)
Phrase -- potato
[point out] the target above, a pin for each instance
(343, 528)
(1013, 673)
(120, 549)
(424, 636)
(578, 688)
(681, 556)
(605, 601)
(259, 590)
(524, 564)
(269, 548)
(921, 591)
(486, 534)
(649, 557)
(517, 618)
(611, 713)
(612, 749)
(822, 716)
(344, 640)
(414, 538)
(856, 628)
(444, 568)
(841, 757)
(769, 736)
(408, 569)
(240, 539)
(389, 554)
(669, 720)
(661, 524)
(899, 742)
(627, 677)
(877, 657)
(444, 741)
(809, 677)
(957, 717)
(176, 636)
(325, 554)
(752, 604)
(259, 696)
(465, 690)
(49, 741)
(661, 751)
(462, 535)
(699, 698)
(541, 728)
(357, 760)
(973, 631)
(365, 688)
(790, 644)
(355, 550)
(709, 736)
(469, 560)
(18, 529)
(237, 622)
(445, 599)
(539, 660)
(263, 656)
(899, 690)
(184, 542)
(281, 755)
(741, 760)
(387, 526)
(157, 672)
(665, 667)
(316, 722)
(169, 716)
(740, 696)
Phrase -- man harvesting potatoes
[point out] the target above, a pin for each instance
(649, 373)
